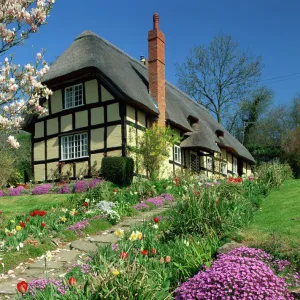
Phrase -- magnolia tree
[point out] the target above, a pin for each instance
(20, 86)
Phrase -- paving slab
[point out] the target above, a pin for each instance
(67, 255)
(104, 239)
(40, 264)
(82, 245)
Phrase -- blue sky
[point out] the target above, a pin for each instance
(266, 28)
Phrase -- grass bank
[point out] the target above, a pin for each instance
(276, 226)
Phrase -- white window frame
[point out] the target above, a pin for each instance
(177, 154)
(209, 161)
(234, 165)
(72, 91)
(74, 146)
(224, 167)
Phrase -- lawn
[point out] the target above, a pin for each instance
(11, 206)
(277, 224)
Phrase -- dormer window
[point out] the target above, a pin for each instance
(219, 133)
(73, 96)
(192, 120)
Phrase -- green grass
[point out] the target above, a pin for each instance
(276, 226)
(11, 206)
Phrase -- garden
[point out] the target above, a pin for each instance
(176, 254)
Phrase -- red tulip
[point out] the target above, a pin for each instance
(43, 224)
(86, 204)
(177, 181)
(27, 219)
(155, 220)
(9, 234)
(22, 224)
(144, 252)
(72, 281)
(32, 214)
(124, 255)
(22, 287)
(153, 251)
(168, 259)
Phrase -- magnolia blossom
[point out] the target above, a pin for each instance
(13, 142)
(20, 86)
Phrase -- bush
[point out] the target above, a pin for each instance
(272, 175)
(118, 170)
(16, 191)
(64, 189)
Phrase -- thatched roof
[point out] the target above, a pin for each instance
(130, 78)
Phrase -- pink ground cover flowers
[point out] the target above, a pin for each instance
(239, 274)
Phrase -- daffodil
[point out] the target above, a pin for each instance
(63, 219)
(12, 221)
(119, 233)
(6, 230)
(48, 255)
(136, 235)
(18, 227)
(155, 226)
(14, 231)
(115, 272)
(73, 212)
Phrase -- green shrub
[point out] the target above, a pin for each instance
(118, 170)
(272, 175)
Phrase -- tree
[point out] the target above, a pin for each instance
(251, 110)
(153, 148)
(219, 76)
(20, 86)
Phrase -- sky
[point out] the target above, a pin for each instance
(266, 28)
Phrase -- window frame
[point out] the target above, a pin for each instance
(177, 160)
(71, 139)
(212, 163)
(234, 165)
(73, 87)
(197, 161)
(224, 164)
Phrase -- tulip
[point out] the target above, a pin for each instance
(168, 259)
(22, 224)
(162, 260)
(144, 252)
(86, 204)
(43, 224)
(155, 220)
(22, 287)
(72, 281)
(153, 251)
(124, 255)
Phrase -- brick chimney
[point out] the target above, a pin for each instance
(156, 68)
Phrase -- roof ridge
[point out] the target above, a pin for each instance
(90, 33)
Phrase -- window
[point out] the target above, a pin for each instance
(177, 154)
(235, 165)
(209, 163)
(194, 162)
(224, 168)
(74, 146)
(73, 96)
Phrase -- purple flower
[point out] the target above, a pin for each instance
(84, 268)
(16, 191)
(41, 189)
(167, 197)
(157, 201)
(64, 190)
(141, 206)
(80, 186)
(2, 194)
(95, 182)
(239, 274)
(114, 247)
(79, 225)
(41, 284)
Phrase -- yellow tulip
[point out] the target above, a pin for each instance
(18, 228)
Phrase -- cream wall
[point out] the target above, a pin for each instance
(66, 123)
(105, 95)
(82, 169)
(53, 148)
(52, 126)
(81, 119)
(39, 151)
(114, 136)
(130, 113)
(39, 129)
(97, 139)
(113, 113)
(39, 172)
(56, 101)
(97, 115)
(91, 91)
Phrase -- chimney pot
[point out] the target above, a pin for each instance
(156, 21)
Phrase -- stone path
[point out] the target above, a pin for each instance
(67, 255)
